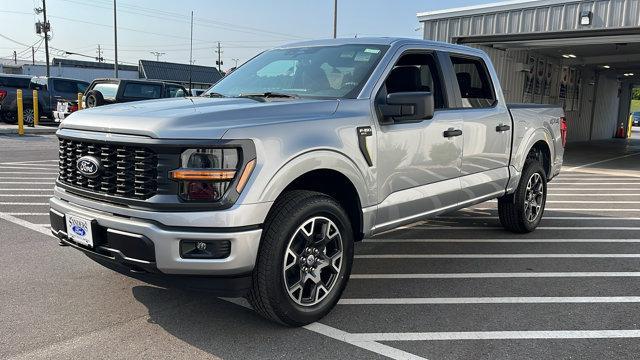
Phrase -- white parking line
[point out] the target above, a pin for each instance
(25, 195)
(583, 202)
(28, 183)
(494, 256)
(498, 335)
(23, 203)
(487, 217)
(29, 161)
(592, 183)
(26, 214)
(29, 173)
(559, 180)
(550, 194)
(374, 240)
(568, 209)
(26, 168)
(344, 336)
(25, 223)
(26, 178)
(492, 300)
(373, 346)
(600, 162)
(551, 189)
(495, 275)
(481, 227)
(22, 189)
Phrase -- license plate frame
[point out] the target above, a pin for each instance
(80, 229)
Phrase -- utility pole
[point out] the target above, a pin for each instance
(15, 57)
(191, 51)
(115, 40)
(99, 58)
(44, 28)
(157, 54)
(33, 56)
(219, 62)
(335, 18)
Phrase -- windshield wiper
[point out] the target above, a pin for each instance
(269, 94)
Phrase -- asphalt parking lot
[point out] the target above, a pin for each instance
(457, 287)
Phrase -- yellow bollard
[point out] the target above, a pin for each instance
(80, 101)
(630, 126)
(20, 113)
(36, 115)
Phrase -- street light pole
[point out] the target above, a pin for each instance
(191, 52)
(115, 40)
(335, 18)
(46, 34)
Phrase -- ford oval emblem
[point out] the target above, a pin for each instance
(88, 166)
(78, 230)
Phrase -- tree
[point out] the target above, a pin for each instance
(636, 93)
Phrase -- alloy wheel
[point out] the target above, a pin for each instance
(534, 197)
(312, 261)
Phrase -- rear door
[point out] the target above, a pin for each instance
(418, 162)
(487, 128)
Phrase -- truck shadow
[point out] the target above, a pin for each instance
(221, 328)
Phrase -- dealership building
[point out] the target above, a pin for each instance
(582, 55)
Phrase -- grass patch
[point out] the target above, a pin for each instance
(635, 105)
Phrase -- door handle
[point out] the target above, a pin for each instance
(452, 133)
(502, 127)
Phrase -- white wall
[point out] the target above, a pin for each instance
(78, 73)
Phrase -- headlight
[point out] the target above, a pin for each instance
(207, 174)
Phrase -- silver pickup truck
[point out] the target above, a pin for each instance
(261, 186)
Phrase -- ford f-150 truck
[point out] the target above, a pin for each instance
(262, 186)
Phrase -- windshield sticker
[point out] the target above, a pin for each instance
(372, 51)
(362, 57)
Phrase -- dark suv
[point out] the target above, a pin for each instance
(111, 91)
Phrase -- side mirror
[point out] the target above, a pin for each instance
(408, 106)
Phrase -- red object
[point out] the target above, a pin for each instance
(621, 133)
(73, 108)
(3, 93)
(201, 191)
(563, 130)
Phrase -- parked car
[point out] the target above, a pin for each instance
(636, 118)
(260, 187)
(50, 90)
(111, 91)
(8, 86)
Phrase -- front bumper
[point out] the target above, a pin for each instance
(157, 245)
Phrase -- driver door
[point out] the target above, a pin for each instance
(419, 162)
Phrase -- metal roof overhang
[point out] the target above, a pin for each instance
(555, 39)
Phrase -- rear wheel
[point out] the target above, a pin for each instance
(522, 211)
(304, 260)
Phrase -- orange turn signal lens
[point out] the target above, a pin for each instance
(203, 175)
(248, 169)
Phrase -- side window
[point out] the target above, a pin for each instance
(174, 91)
(64, 86)
(476, 89)
(108, 90)
(417, 72)
(142, 91)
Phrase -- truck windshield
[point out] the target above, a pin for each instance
(315, 72)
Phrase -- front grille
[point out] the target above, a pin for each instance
(127, 171)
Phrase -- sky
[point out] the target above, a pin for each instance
(243, 27)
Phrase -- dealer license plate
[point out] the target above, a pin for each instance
(79, 230)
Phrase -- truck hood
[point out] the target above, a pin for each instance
(195, 117)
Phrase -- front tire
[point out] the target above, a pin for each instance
(304, 261)
(522, 211)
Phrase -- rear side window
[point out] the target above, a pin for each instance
(474, 82)
(175, 91)
(22, 83)
(108, 90)
(65, 86)
(142, 91)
